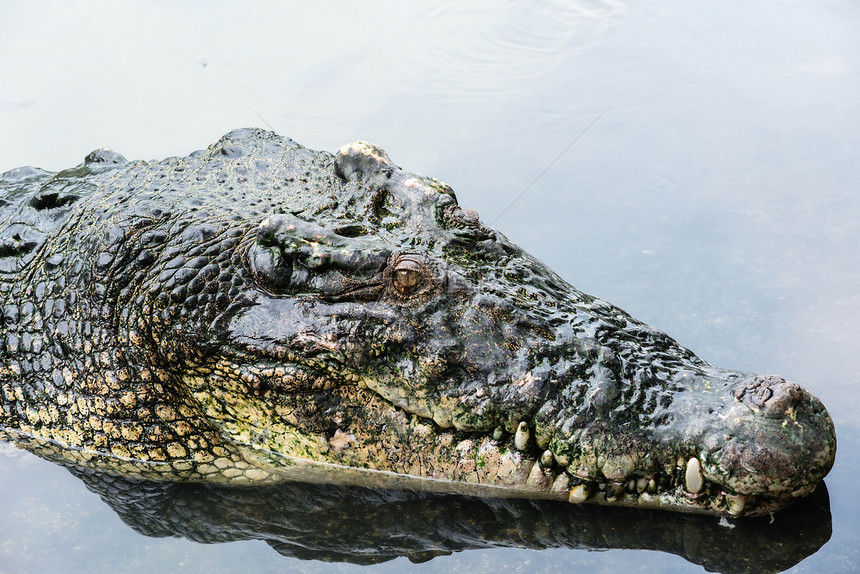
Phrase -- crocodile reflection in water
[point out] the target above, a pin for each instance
(336, 523)
(259, 311)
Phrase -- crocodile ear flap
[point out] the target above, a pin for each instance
(363, 160)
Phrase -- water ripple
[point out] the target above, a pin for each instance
(500, 50)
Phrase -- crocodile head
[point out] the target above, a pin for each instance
(278, 313)
(394, 338)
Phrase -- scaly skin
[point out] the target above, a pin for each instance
(260, 311)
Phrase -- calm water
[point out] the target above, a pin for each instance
(716, 197)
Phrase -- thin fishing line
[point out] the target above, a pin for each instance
(546, 169)
(262, 118)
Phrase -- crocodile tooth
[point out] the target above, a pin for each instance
(522, 436)
(561, 483)
(537, 478)
(652, 485)
(579, 494)
(735, 503)
(641, 485)
(694, 480)
(630, 486)
(498, 433)
(562, 459)
(614, 491)
(546, 458)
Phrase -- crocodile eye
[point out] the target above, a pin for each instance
(408, 276)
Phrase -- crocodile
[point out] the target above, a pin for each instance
(259, 312)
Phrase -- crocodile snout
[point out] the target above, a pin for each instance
(770, 395)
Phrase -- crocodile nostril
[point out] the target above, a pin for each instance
(773, 396)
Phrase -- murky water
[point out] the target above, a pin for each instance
(716, 197)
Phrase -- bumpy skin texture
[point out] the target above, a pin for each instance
(259, 311)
